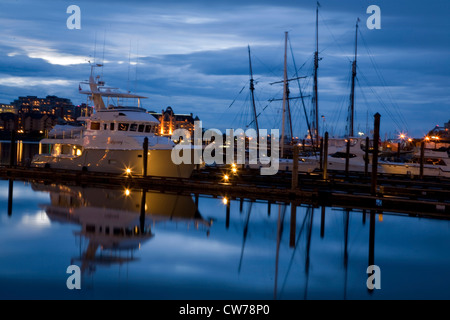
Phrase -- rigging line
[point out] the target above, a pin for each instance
(236, 97)
(334, 38)
(382, 103)
(237, 114)
(103, 55)
(301, 93)
(383, 81)
(129, 64)
(269, 69)
(137, 62)
(342, 103)
(364, 96)
(297, 242)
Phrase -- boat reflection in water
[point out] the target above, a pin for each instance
(116, 222)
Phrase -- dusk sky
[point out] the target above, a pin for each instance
(193, 56)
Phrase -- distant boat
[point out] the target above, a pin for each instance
(112, 139)
(435, 163)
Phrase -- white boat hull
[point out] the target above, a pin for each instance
(159, 162)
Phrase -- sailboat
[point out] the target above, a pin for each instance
(112, 139)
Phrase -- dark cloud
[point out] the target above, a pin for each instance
(193, 55)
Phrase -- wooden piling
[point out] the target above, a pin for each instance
(294, 183)
(293, 225)
(325, 157)
(10, 197)
(145, 157)
(372, 239)
(12, 149)
(347, 157)
(422, 158)
(376, 138)
(322, 222)
(321, 155)
(142, 214)
(366, 157)
(227, 221)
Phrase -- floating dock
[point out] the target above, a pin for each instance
(426, 197)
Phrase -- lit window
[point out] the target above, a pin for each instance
(123, 126)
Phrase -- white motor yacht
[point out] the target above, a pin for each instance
(112, 139)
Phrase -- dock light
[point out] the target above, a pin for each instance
(128, 171)
(225, 200)
(234, 170)
(427, 138)
(226, 178)
(127, 192)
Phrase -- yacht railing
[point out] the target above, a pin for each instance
(71, 134)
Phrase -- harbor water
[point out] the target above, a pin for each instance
(138, 244)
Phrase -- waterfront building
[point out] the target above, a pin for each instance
(170, 121)
(7, 108)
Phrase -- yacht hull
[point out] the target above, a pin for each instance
(159, 162)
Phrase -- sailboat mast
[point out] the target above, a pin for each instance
(316, 67)
(252, 89)
(352, 94)
(284, 94)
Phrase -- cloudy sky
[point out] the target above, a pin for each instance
(193, 56)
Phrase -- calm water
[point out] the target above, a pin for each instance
(190, 253)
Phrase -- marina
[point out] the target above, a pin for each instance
(225, 152)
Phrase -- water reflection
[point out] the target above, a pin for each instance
(115, 222)
(21, 154)
(170, 249)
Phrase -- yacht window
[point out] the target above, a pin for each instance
(141, 128)
(433, 161)
(118, 232)
(123, 126)
(133, 127)
(342, 155)
(111, 126)
(105, 127)
(90, 228)
(95, 125)
(148, 128)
